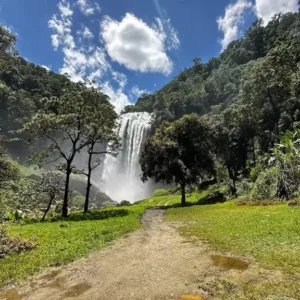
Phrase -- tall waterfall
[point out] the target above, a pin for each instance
(121, 175)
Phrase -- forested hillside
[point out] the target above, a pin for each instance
(271, 51)
(249, 99)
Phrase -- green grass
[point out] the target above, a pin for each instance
(268, 234)
(61, 242)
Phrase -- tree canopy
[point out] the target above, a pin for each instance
(178, 153)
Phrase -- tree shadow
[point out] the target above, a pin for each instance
(201, 202)
(93, 215)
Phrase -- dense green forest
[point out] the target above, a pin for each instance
(250, 98)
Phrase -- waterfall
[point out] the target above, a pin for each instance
(121, 176)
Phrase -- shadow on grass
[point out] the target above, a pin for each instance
(93, 215)
(189, 204)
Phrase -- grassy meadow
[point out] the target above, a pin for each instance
(267, 236)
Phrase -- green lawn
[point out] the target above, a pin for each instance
(267, 235)
(61, 242)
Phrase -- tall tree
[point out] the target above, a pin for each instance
(179, 153)
(100, 134)
(62, 122)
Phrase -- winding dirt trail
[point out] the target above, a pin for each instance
(154, 263)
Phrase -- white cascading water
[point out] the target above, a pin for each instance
(121, 175)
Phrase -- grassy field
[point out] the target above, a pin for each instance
(61, 242)
(267, 235)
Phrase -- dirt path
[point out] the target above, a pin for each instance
(154, 263)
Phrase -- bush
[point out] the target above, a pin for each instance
(266, 185)
(9, 245)
(161, 192)
(244, 187)
(255, 172)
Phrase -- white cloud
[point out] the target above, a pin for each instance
(61, 24)
(82, 60)
(65, 10)
(168, 33)
(85, 32)
(117, 97)
(137, 92)
(120, 78)
(136, 45)
(88, 9)
(46, 67)
(233, 18)
(266, 9)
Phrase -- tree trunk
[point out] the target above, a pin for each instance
(88, 188)
(47, 209)
(183, 198)
(66, 195)
(234, 193)
(253, 151)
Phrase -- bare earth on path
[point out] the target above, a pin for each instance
(155, 263)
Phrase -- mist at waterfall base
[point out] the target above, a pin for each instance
(120, 177)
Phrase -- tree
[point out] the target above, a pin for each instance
(267, 89)
(62, 122)
(179, 153)
(50, 185)
(232, 148)
(7, 41)
(100, 134)
(8, 172)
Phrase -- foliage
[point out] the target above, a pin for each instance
(266, 185)
(81, 117)
(254, 173)
(100, 134)
(7, 41)
(8, 172)
(178, 153)
(287, 159)
(13, 245)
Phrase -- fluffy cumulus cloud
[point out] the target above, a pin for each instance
(84, 60)
(266, 9)
(230, 23)
(131, 42)
(136, 45)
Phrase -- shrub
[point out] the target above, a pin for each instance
(13, 245)
(244, 187)
(266, 185)
(254, 173)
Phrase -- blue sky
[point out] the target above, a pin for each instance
(131, 46)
